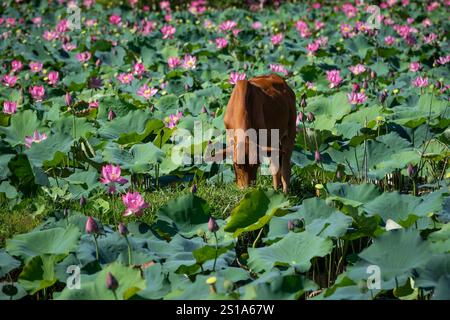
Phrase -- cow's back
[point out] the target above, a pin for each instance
(264, 102)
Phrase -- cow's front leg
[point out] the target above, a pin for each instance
(275, 170)
(286, 168)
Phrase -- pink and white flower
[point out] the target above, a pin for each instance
(16, 65)
(111, 175)
(355, 98)
(189, 62)
(9, 80)
(35, 67)
(138, 68)
(9, 107)
(277, 39)
(125, 78)
(173, 62)
(115, 19)
(35, 138)
(278, 68)
(173, 119)
(37, 93)
(414, 66)
(221, 43)
(83, 56)
(146, 92)
(235, 77)
(168, 31)
(228, 25)
(420, 82)
(135, 204)
(358, 69)
(334, 77)
(53, 77)
(389, 40)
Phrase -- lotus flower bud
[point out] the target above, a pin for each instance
(123, 230)
(365, 84)
(66, 212)
(355, 87)
(204, 110)
(111, 115)
(111, 282)
(310, 116)
(212, 225)
(373, 74)
(91, 225)
(411, 170)
(301, 116)
(68, 99)
(438, 84)
(383, 96)
(291, 225)
(303, 103)
(83, 201)
(317, 156)
(339, 174)
(194, 188)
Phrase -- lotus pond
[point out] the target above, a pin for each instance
(94, 98)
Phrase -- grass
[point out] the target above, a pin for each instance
(222, 199)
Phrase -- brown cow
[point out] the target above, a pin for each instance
(264, 102)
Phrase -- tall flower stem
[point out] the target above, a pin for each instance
(217, 249)
(96, 247)
(129, 251)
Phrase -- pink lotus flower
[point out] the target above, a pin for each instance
(35, 138)
(115, 19)
(37, 20)
(168, 31)
(90, 22)
(164, 5)
(189, 62)
(9, 107)
(318, 25)
(125, 78)
(334, 77)
(349, 10)
(312, 47)
(35, 66)
(16, 65)
(346, 30)
(62, 26)
(389, 40)
(53, 77)
(68, 46)
(358, 69)
(236, 76)
(146, 92)
(93, 104)
(173, 62)
(430, 38)
(49, 35)
(303, 29)
(37, 93)
(111, 176)
(173, 119)
(278, 68)
(147, 27)
(257, 25)
(277, 39)
(443, 60)
(9, 81)
(420, 82)
(356, 98)
(138, 69)
(221, 43)
(83, 56)
(134, 203)
(414, 66)
(228, 25)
